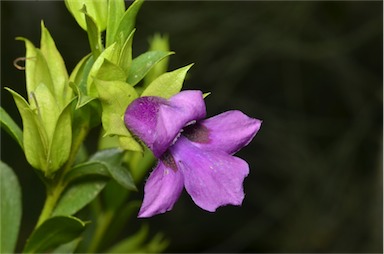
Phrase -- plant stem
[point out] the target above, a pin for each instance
(103, 223)
(53, 196)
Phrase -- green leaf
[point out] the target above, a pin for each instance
(157, 43)
(78, 195)
(127, 22)
(11, 127)
(112, 159)
(10, 212)
(115, 96)
(168, 84)
(56, 66)
(77, 75)
(125, 57)
(54, 232)
(116, 10)
(96, 9)
(142, 64)
(110, 72)
(83, 170)
(94, 36)
(69, 247)
(36, 69)
(34, 138)
(79, 78)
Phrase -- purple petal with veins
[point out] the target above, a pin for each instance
(161, 190)
(229, 132)
(157, 122)
(211, 178)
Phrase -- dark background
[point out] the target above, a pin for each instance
(312, 71)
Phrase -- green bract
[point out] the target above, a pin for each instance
(47, 115)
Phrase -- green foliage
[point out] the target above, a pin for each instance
(53, 232)
(142, 64)
(56, 66)
(116, 11)
(11, 127)
(137, 243)
(115, 97)
(97, 10)
(157, 43)
(78, 195)
(57, 116)
(94, 36)
(34, 139)
(113, 159)
(10, 212)
(127, 22)
(168, 84)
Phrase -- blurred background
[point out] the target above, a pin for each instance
(312, 71)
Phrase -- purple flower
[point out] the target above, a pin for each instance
(193, 153)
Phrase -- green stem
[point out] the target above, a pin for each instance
(53, 195)
(103, 223)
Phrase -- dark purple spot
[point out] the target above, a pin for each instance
(197, 133)
(169, 161)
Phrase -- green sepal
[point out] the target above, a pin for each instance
(96, 9)
(11, 127)
(54, 232)
(142, 64)
(130, 143)
(127, 22)
(56, 66)
(116, 10)
(168, 84)
(10, 209)
(79, 194)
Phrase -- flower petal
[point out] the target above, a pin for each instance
(157, 122)
(212, 178)
(229, 132)
(161, 190)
